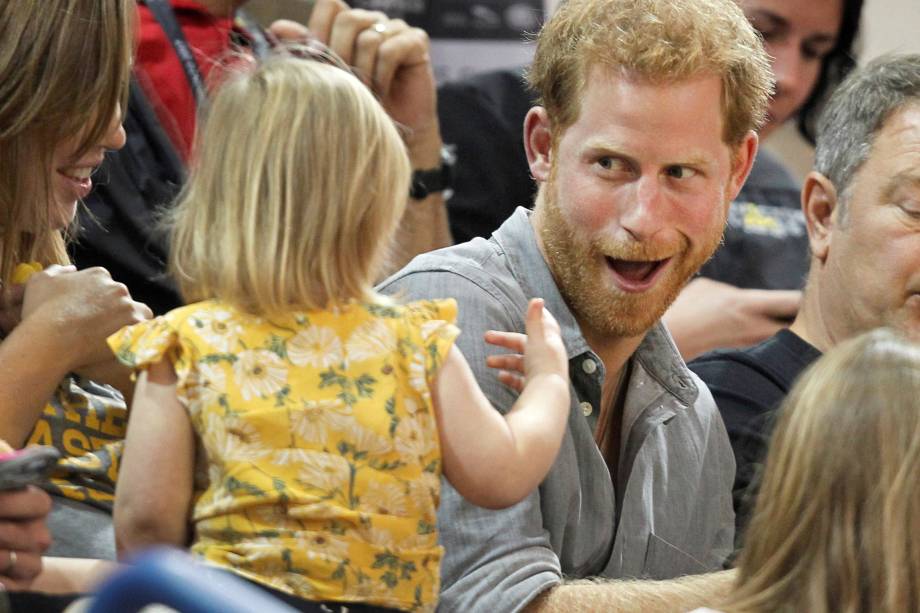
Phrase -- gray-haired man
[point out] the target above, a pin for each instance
(862, 207)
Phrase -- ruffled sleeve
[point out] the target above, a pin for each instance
(146, 343)
(435, 322)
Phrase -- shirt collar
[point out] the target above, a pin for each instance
(657, 353)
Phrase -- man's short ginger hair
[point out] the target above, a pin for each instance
(656, 40)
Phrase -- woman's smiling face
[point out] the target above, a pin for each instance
(71, 170)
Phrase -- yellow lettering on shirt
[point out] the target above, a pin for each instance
(75, 442)
(114, 424)
(41, 434)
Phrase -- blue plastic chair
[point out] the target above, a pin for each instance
(172, 578)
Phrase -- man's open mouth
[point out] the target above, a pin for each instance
(635, 275)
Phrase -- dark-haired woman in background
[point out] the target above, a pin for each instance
(811, 44)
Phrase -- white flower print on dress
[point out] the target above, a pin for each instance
(259, 373)
(382, 498)
(314, 417)
(424, 492)
(154, 350)
(204, 385)
(367, 441)
(431, 326)
(413, 438)
(372, 339)
(378, 537)
(230, 439)
(289, 456)
(218, 329)
(259, 553)
(317, 346)
(418, 378)
(323, 546)
(325, 472)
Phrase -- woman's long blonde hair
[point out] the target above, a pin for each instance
(298, 181)
(836, 523)
(64, 69)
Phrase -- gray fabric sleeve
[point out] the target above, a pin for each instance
(494, 560)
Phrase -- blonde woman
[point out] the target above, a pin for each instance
(63, 76)
(836, 521)
(325, 412)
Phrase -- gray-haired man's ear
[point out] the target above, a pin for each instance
(819, 201)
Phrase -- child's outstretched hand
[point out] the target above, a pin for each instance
(538, 352)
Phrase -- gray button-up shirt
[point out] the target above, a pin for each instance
(672, 515)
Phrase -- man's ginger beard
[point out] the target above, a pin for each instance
(584, 278)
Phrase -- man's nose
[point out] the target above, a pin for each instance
(644, 214)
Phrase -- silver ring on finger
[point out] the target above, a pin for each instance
(380, 27)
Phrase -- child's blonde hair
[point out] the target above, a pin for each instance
(836, 520)
(298, 182)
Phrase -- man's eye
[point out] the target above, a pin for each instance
(911, 208)
(607, 163)
(680, 172)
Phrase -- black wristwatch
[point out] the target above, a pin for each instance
(427, 182)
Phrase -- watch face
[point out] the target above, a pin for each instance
(425, 182)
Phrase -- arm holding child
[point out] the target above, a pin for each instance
(56, 323)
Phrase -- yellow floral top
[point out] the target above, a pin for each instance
(320, 462)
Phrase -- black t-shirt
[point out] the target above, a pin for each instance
(748, 386)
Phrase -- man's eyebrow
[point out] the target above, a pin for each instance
(598, 145)
(905, 178)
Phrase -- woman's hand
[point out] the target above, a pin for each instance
(79, 310)
(23, 535)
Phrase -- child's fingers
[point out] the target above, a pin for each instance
(549, 322)
(513, 362)
(512, 341)
(514, 381)
(534, 318)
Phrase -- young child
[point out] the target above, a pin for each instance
(293, 425)
(837, 514)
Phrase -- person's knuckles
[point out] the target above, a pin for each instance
(357, 19)
(368, 40)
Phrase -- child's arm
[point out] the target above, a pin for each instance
(154, 491)
(495, 461)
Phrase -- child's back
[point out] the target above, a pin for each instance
(320, 443)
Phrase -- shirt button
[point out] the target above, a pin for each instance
(586, 408)
(589, 366)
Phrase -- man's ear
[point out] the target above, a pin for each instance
(538, 143)
(819, 200)
(742, 161)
